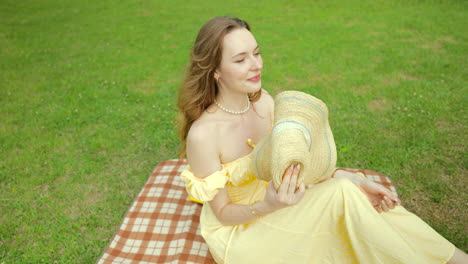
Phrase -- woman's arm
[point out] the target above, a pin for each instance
(229, 213)
(203, 157)
(380, 197)
(287, 194)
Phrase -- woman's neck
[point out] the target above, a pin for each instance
(233, 101)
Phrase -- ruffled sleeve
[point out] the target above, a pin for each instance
(204, 189)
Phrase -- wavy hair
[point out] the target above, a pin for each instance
(199, 88)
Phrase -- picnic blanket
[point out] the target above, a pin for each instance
(162, 225)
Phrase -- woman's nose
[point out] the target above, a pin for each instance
(257, 63)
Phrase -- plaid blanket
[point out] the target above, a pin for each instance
(162, 225)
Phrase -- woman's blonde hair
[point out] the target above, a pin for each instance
(199, 88)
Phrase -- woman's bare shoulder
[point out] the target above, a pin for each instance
(203, 132)
(266, 104)
(200, 128)
(202, 149)
(267, 97)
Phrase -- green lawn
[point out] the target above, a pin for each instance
(88, 91)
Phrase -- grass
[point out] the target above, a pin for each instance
(88, 93)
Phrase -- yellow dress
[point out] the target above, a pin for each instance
(333, 223)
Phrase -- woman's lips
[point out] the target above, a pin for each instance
(256, 78)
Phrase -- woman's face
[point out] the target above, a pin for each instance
(241, 63)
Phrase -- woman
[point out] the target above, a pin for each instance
(346, 219)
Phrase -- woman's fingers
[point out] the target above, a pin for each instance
(390, 204)
(384, 206)
(378, 208)
(301, 191)
(394, 199)
(292, 183)
(286, 180)
(288, 194)
(382, 199)
(391, 198)
(387, 204)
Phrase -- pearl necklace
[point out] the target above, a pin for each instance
(234, 112)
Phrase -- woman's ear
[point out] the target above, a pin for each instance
(216, 75)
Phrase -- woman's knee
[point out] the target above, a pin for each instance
(338, 189)
(345, 185)
(346, 190)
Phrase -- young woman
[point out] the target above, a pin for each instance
(345, 219)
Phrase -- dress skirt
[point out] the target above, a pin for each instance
(333, 223)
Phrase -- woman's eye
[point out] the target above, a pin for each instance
(239, 61)
(258, 53)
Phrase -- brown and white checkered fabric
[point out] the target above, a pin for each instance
(162, 225)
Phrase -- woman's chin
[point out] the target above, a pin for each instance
(255, 87)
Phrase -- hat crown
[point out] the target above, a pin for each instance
(300, 134)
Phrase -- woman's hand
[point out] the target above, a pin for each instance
(380, 197)
(287, 193)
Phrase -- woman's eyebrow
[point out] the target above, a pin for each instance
(245, 52)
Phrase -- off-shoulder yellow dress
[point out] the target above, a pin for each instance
(333, 223)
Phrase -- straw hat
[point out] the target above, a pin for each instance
(300, 134)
